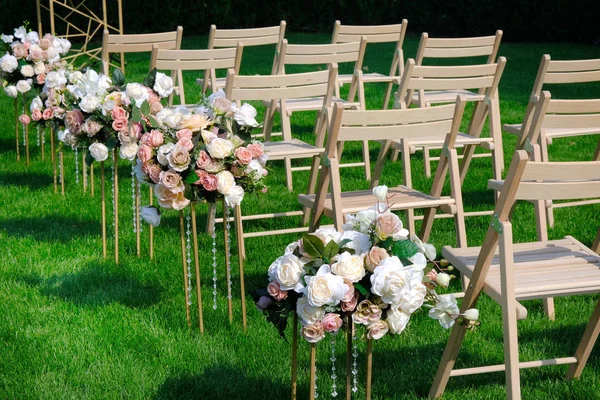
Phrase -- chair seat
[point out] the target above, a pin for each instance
(310, 104)
(401, 198)
(290, 149)
(220, 83)
(445, 96)
(542, 269)
(372, 77)
(515, 129)
(462, 139)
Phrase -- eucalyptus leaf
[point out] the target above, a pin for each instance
(145, 108)
(118, 77)
(136, 114)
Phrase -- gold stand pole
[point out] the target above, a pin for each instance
(17, 128)
(349, 336)
(53, 158)
(313, 362)
(294, 356)
(240, 241)
(92, 180)
(42, 139)
(116, 203)
(103, 202)
(197, 265)
(183, 262)
(227, 262)
(369, 367)
(84, 169)
(138, 239)
(151, 234)
(62, 172)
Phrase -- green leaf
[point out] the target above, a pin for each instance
(191, 178)
(404, 249)
(89, 159)
(118, 77)
(387, 243)
(111, 143)
(344, 242)
(361, 289)
(153, 121)
(151, 78)
(347, 250)
(331, 250)
(136, 114)
(145, 108)
(313, 245)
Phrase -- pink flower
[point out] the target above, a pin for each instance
(276, 292)
(47, 114)
(119, 124)
(44, 43)
(209, 182)
(19, 50)
(24, 118)
(348, 306)
(200, 173)
(74, 120)
(256, 149)
(331, 322)
(155, 107)
(243, 155)
(135, 131)
(184, 134)
(203, 160)
(145, 153)
(350, 293)
(36, 115)
(154, 138)
(119, 113)
(152, 170)
(432, 275)
(186, 143)
(40, 79)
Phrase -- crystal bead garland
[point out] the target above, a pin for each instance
(189, 256)
(228, 239)
(214, 265)
(133, 197)
(334, 392)
(76, 165)
(59, 168)
(354, 364)
(38, 136)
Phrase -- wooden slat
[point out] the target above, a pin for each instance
(195, 64)
(369, 30)
(458, 71)
(316, 49)
(280, 93)
(445, 84)
(139, 47)
(248, 81)
(462, 42)
(571, 121)
(302, 59)
(573, 106)
(203, 54)
(558, 171)
(558, 191)
(573, 65)
(522, 365)
(247, 33)
(143, 38)
(396, 132)
(257, 41)
(572, 77)
(372, 38)
(394, 117)
(458, 52)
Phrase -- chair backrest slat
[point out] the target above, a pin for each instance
(447, 84)
(548, 171)
(454, 53)
(557, 66)
(284, 93)
(388, 132)
(558, 190)
(459, 47)
(573, 106)
(571, 121)
(393, 117)
(250, 37)
(375, 33)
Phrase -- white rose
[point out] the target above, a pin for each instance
(163, 85)
(65, 45)
(20, 32)
(215, 96)
(325, 288)
(11, 91)
(36, 104)
(225, 182)
(129, 151)
(391, 280)
(89, 103)
(76, 77)
(360, 242)
(162, 153)
(27, 71)
(380, 192)
(256, 169)
(7, 38)
(98, 151)
(108, 106)
(472, 314)
(39, 68)
(8, 63)
(414, 299)
(327, 235)
(235, 196)
(32, 37)
(23, 86)
(104, 82)
(288, 271)
(397, 320)
(55, 79)
(172, 120)
(53, 55)
(245, 115)
(151, 215)
(418, 261)
(219, 148)
(137, 92)
(445, 310)
(308, 314)
(443, 279)
(349, 266)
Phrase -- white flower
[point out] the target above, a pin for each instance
(39, 68)
(27, 71)
(104, 82)
(349, 266)
(171, 120)
(327, 234)
(443, 279)
(163, 152)
(380, 192)
(360, 242)
(24, 86)
(325, 288)
(256, 169)
(245, 115)
(36, 104)
(53, 54)
(20, 32)
(472, 314)
(7, 38)
(11, 91)
(397, 320)
(32, 37)
(163, 84)
(61, 135)
(76, 77)
(137, 92)
(235, 196)
(391, 280)
(214, 96)
(308, 314)
(219, 148)
(418, 261)
(56, 79)
(89, 103)
(151, 215)
(445, 310)
(414, 299)
(128, 151)
(288, 271)
(426, 248)
(65, 45)
(98, 151)
(225, 182)
(8, 63)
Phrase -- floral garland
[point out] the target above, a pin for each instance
(372, 272)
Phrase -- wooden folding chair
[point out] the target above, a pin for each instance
(510, 273)
(562, 120)
(222, 38)
(375, 34)
(141, 43)
(387, 125)
(195, 60)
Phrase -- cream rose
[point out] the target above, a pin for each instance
(391, 280)
(313, 333)
(89, 103)
(308, 314)
(163, 152)
(414, 299)
(8, 63)
(226, 182)
(27, 71)
(24, 86)
(98, 151)
(128, 151)
(193, 122)
(179, 158)
(397, 320)
(325, 288)
(11, 91)
(288, 271)
(137, 92)
(349, 266)
(220, 148)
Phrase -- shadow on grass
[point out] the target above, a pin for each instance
(99, 285)
(221, 383)
(32, 180)
(51, 228)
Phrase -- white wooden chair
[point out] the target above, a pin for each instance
(485, 78)
(139, 43)
(375, 34)
(387, 125)
(564, 118)
(510, 272)
(195, 60)
(222, 38)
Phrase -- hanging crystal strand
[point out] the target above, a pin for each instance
(214, 265)
(76, 165)
(133, 198)
(59, 170)
(334, 392)
(228, 239)
(189, 255)
(43, 135)
(316, 388)
(38, 136)
(354, 365)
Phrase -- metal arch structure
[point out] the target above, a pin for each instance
(84, 25)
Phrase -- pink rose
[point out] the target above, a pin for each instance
(154, 138)
(432, 275)
(203, 160)
(135, 131)
(256, 149)
(119, 113)
(152, 170)
(74, 120)
(276, 292)
(377, 330)
(331, 322)
(19, 50)
(24, 118)
(350, 293)
(145, 153)
(171, 180)
(36, 115)
(366, 313)
(374, 258)
(36, 53)
(185, 143)
(120, 124)
(243, 155)
(200, 173)
(40, 79)
(209, 182)
(184, 134)
(155, 107)
(350, 305)
(44, 43)
(313, 333)
(47, 114)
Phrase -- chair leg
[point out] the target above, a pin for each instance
(427, 161)
(288, 173)
(210, 218)
(395, 155)
(367, 159)
(239, 233)
(544, 156)
(549, 308)
(586, 345)
(388, 95)
(448, 359)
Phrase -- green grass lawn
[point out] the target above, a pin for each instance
(74, 325)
